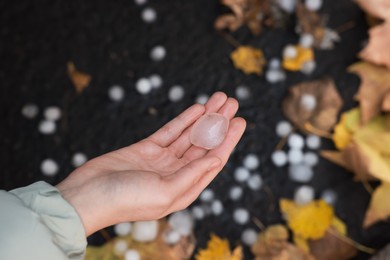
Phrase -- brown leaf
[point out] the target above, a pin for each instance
(79, 79)
(336, 157)
(328, 103)
(310, 22)
(375, 83)
(378, 8)
(358, 162)
(331, 247)
(386, 102)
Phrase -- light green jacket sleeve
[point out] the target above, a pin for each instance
(37, 223)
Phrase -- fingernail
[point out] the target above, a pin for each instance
(214, 164)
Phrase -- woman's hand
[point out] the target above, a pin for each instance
(154, 177)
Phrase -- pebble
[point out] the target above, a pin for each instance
(330, 196)
(181, 222)
(176, 93)
(308, 102)
(156, 81)
(202, 99)
(313, 5)
(47, 127)
(52, 113)
(140, 2)
(287, 5)
(295, 156)
(120, 247)
(171, 237)
(143, 86)
(144, 231)
(295, 141)
(243, 92)
(251, 161)
(207, 195)
(122, 229)
(300, 172)
(310, 159)
(274, 63)
(306, 40)
(30, 111)
(158, 53)
(313, 141)
(290, 52)
(241, 174)
(308, 67)
(249, 237)
(304, 195)
(216, 207)
(198, 212)
(235, 193)
(283, 128)
(279, 158)
(49, 167)
(132, 254)
(275, 75)
(116, 93)
(241, 216)
(149, 15)
(78, 159)
(255, 182)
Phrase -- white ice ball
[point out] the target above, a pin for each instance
(120, 247)
(300, 172)
(176, 93)
(78, 159)
(279, 158)
(143, 86)
(295, 141)
(122, 229)
(171, 237)
(313, 141)
(149, 15)
(304, 195)
(52, 113)
(290, 52)
(308, 102)
(274, 63)
(249, 237)
(198, 212)
(158, 53)
(116, 93)
(243, 92)
(49, 167)
(255, 182)
(283, 128)
(306, 40)
(235, 193)
(155, 80)
(140, 2)
(329, 196)
(308, 67)
(144, 231)
(241, 174)
(207, 195)
(181, 222)
(47, 127)
(202, 99)
(275, 75)
(295, 156)
(287, 5)
(251, 161)
(313, 5)
(30, 111)
(216, 207)
(310, 159)
(241, 216)
(132, 254)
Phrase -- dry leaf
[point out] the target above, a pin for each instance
(331, 247)
(248, 59)
(328, 104)
(378, 8)
(375, 83)
(219, 249)
(79, 79)
(379, 208)
(310, 22)
(303, 55)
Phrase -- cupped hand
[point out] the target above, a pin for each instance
(154, 177)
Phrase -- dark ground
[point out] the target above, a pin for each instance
(108, 40)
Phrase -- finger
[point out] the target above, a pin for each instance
(215, 103)
(228, 110)
(173, 129)
(223, 152)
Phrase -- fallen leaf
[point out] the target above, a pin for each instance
(336, 157)
(219, 249)
(358, 162)
(248, 59)
(379, 208)
(331, 247)
(375, 83)
(378, 8)
(303, 55)
(328, 104)
(79, 79)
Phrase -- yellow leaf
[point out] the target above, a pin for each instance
(379, 208)
(248, 59)
(339, 225)
(342, 136)
(296, 63)
(219, 249)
